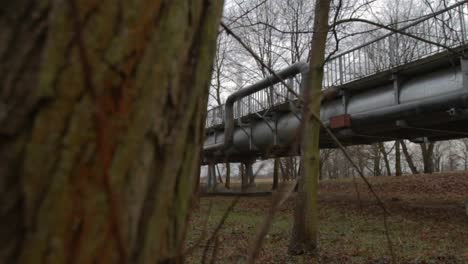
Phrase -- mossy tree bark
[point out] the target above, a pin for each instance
(305, 229)
(101, 122)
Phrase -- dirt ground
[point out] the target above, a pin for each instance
(427, 223)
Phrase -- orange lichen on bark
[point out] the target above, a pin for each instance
(123, 83)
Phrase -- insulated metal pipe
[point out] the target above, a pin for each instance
(419, 96)
(300, 67)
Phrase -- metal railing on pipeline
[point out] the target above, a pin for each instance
(270, 97)
(215, 116)
(273, 96)
(441, 29)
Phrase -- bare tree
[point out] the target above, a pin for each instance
(398, 171)
(427, 151)
(305, 229)
(409, 158)
(385, 158)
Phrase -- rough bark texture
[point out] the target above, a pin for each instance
(101, 121)
(305, 229)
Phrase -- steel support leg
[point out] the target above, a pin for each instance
(215, 180)
(211, 177)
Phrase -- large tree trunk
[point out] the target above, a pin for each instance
(305, 229)
(100, 133)
(409, 159)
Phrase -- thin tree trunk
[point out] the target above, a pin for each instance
(305, 228)
(408, 158)
(284, 174)
(100, 134)
(250, 173)
(397, 158)
(220, 179)
(228, 176)
(377, 169)
(385, 158)
(244, 177)
(297, 170)
(427, 150)
(275, 174)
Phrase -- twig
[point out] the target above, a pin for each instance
(335, 34)
(257, 58)
(394, 30)
(247, 12)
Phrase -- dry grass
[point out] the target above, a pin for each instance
(427, 223)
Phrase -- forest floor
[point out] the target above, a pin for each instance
(427, 223)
